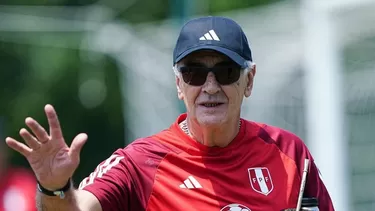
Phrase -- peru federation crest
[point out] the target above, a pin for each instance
(260, 180)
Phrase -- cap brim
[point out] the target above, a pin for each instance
(231, 54)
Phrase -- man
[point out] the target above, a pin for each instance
(17, 185)
(209, 159)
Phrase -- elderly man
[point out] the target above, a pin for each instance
(209, 158)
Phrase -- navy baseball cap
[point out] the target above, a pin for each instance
(213, 33)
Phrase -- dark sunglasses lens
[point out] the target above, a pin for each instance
(195, 76)
(227, 75)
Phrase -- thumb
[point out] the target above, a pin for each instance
(77, 144)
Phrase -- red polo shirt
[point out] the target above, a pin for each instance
(260, 170)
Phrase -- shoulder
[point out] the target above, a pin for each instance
(141, 153)
(124, 164)
(287, 142)
(147, 146)
(273, 134)
(125, 179)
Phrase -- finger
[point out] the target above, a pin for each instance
(53, 121)
(77, 144)
(18, 146)
(30, 140)
(40, 133)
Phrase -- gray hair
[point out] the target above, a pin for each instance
(250, 66)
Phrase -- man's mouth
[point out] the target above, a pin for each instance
(210, 105)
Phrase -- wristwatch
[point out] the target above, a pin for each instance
(59, 192)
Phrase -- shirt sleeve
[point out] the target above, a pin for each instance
(294, 147)
(316, 188)
(110, 182)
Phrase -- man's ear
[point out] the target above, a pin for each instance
(180, 94)
(250, 81)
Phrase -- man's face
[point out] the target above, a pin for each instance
(213, 103)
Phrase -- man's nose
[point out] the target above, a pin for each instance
(211, 86)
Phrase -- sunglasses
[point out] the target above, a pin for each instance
(195, 74)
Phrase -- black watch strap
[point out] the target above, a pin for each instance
(59, 192)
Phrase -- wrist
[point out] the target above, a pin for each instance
(56, 192)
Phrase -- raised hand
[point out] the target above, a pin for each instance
(52, 161)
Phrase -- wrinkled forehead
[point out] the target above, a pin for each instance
(207, 57)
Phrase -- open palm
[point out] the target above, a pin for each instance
(52, 161)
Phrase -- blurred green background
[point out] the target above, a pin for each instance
(33, 75)
(106, 67)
